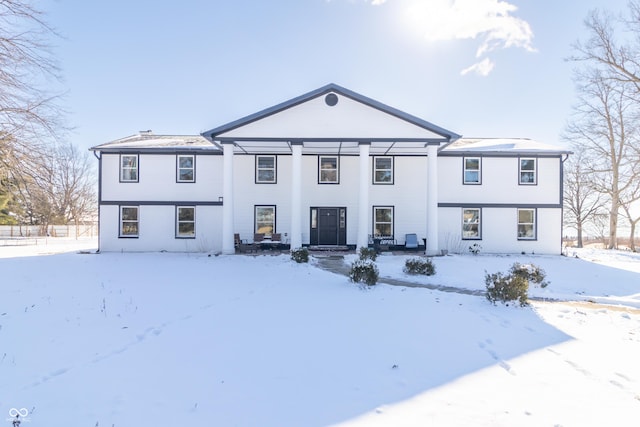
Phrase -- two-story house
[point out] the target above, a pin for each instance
(330, 168)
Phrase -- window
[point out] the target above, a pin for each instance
(472, 170)
(526, 224)
(328, 172)
(383, 170)
(186, 168)
(528, 171)
(129, 221)
(266, 169)
(383, 221)
(186, 222)
(129, 168)
(265, 217)
(471, 223)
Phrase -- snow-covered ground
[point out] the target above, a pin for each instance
(195, 340)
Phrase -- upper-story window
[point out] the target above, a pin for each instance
(328, 170)
(128, 168)
(383, 170)
(265, 169)
(186, 168)
(527, 171)
(472, 170)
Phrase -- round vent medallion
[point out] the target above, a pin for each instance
(331, 99)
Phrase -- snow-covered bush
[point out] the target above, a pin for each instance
(531, 272)
(419, 266)
(364, 271)
(300, 255)
(515, 284)
(368, 253)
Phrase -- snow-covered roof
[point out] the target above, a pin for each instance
(149, 140)
(502, 145)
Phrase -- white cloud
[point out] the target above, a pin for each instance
(490, 23)
(482, 68)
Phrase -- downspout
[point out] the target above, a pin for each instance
(98, 156)
(566, 156)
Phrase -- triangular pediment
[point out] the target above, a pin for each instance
(331, 113)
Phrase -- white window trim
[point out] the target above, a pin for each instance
(534, 224)
(274, 168)
(479, 236)
(122, 221)
(337, 169)
(123, 168)
(376, 169)
(534, 171)
(178, 222)
(464, 171)
(192, 168)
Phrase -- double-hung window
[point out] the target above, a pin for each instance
(265, 220)
(265, 169)
(186, 222)
(186, 168)
(129, 221)
(383, 221)
(328, 170)
(128, 168)
(471, 223)
(527, 171)
(472, 171)
(383, 170)
(526, 224)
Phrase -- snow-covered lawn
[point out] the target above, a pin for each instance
(160, 339)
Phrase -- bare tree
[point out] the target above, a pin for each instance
(582, 205)
(628, 203)
(603, 125)
(28, 110)
(73, 184)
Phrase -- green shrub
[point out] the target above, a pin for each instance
(531, 272)
(364, 271)
(506, 288)
(300, 255)
(368, 253)
(419, 266)
(514, 285)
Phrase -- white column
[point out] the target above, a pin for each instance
(432, 200)
(363, 204)
(227, 200)
(296, 196)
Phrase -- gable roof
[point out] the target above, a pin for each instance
(217, 133)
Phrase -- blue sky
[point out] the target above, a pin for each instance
(480, 68)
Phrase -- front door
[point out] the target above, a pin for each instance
(328, 226)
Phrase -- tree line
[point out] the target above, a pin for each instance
(43, 179)
(602, 176)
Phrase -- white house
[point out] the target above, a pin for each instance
(330, 168)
